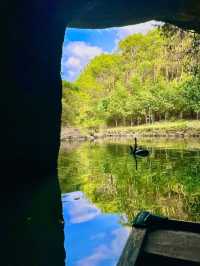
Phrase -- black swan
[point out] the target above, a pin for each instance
(138, 151)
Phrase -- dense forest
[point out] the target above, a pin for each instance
(149, 78)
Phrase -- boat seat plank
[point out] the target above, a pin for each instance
(174, 244)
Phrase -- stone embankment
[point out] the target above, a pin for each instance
(72, 134)
(179, 129)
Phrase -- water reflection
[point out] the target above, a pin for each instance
(92, 238)
(167, 183)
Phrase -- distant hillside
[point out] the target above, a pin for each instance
(152, 77)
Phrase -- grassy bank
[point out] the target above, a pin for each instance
(179, 128)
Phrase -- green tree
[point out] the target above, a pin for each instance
(191, 94)
(149, 78)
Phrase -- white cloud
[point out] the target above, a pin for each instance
(73, 62)
(120, 236)
(109, 250)
(75, 56)
(79, 209)
(82, 49)
(100, 253)
(138, 28)
(143, 28)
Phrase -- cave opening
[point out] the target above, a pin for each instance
(31, 47)
(96, 173)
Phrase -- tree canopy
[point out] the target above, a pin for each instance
(148, 78)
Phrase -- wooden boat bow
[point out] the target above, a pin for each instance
(156, 240)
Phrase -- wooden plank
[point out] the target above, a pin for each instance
(133, 247)
(174, 244)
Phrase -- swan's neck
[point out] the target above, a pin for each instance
(135, 148)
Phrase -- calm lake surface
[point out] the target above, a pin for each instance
(104, 188)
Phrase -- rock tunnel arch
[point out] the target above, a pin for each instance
(32, 34)
(31, 51)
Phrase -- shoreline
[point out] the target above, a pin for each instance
(178, 129)
(129, 136)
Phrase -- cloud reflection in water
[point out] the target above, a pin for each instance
(91, 238)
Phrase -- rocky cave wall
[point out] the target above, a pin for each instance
(32, 34)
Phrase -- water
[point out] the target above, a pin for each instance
(92, 237)
(114, 188)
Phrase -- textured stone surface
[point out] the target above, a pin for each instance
(101, 14)
(32, 33)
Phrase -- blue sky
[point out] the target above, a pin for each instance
(80, 46)
(99, 238)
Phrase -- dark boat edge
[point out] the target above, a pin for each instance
(158, 240)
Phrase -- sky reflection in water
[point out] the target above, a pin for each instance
(166, 183)
(91, 238)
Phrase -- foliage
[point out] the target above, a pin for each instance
(167, 183)
(191, 94)
(149, 78)
(70, 103)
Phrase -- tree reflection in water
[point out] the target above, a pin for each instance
(167, 183)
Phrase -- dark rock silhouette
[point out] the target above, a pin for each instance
(32, 34)
(31, 225)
